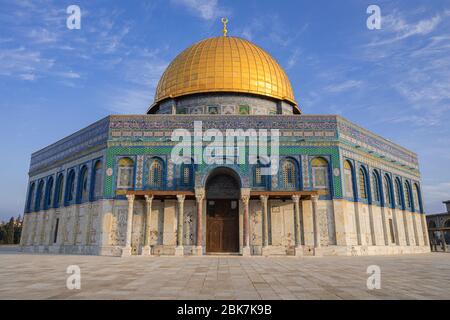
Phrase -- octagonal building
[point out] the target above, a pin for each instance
(114, 188)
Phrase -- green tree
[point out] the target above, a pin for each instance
(10, 231)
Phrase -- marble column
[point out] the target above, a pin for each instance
(317, 244)
(147, 250)
(265, 216)
(126, 251)
(444, 245)
(297, 212)
(199, 196)
(245, 198)
(179, 250)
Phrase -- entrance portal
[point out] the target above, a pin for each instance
(222, 227)
(222, 215)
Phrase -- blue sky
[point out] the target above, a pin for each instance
(394, 81)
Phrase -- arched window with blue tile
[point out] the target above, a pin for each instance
(376, 187)
(260, 180)
(398, 194)
(83, 191)
(320, 174)
(187, 174)
(70, 187)
(125, 173)
(97, 180)
(388, 191)
(156, 173)
(48, 193)
(417, 200)
(39, 203)
(289, 174)
(408, 195)
(58, 191)
(31, 196)
(349, 180)
(362, 184)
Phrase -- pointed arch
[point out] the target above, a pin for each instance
(97, 180)
(388, 191)
(417, 199)
(363, 185)
(125, 173)
(156, 173)
(349, 180)
(408, 195)
(187, 174)
(398, 194)
(376, 186)
(39, 203)
(83, 191)
(260, 180)
(48, 193)
(320, 173)
(31, 197)
(70, 187)
(58, 191)
(289, 174)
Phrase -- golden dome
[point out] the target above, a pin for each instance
(224, 64)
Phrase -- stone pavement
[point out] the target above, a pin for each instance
(33, 276)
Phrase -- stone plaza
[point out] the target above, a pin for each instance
(44, 276)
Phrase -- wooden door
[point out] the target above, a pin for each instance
(222, 228)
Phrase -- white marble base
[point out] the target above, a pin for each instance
(126, 252)
(318, 252)
(179, 251)
(246, 252)
(197, 251)
(298, 251)
(146, 251)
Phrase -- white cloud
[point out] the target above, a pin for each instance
(131, 101)
(399, 29)
(293, 58)
(205, 9)
(23, 63)
(344, 86)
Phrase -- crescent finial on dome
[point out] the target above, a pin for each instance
(225, 31)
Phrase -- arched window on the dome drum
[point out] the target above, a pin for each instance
(97, 181)
(83, 191)
(49, 193)
(398, 193)
(348, 180)
(407, 190)
(31, 195)
(387, 191)
(70, 187)
(320, 168)
(155, 179)
(125, 174)
(289, 174)
(416, 198)
(376, 186)
(58, 191)
(39, 204)
(362, 184)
